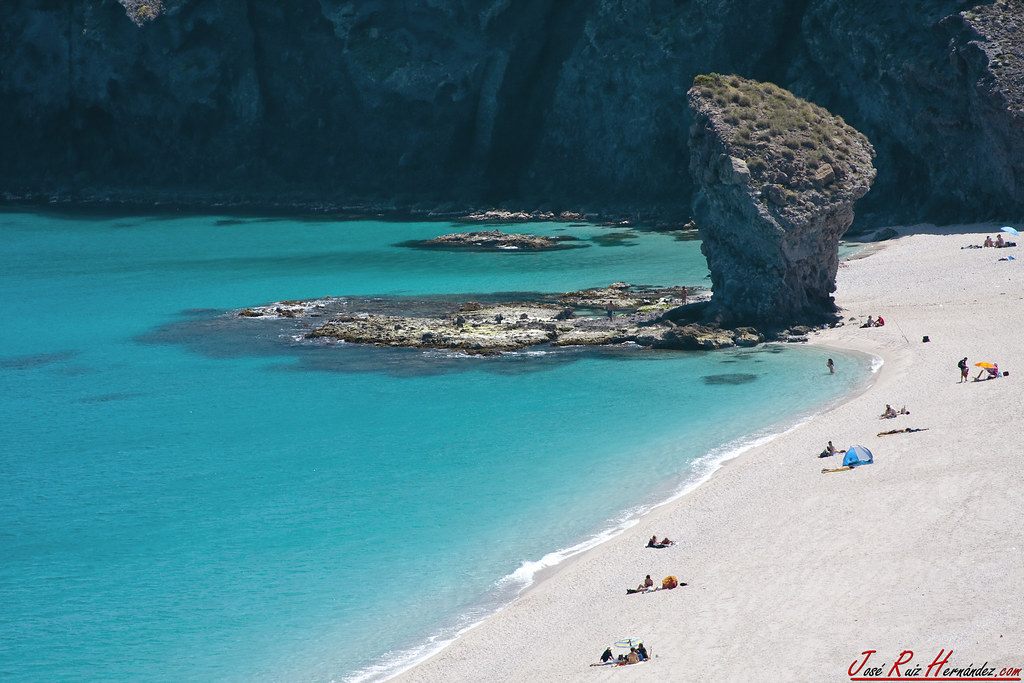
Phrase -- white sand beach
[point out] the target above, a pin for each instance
(793, 573)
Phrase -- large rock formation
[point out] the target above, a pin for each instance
(461, 104)
(778, 178)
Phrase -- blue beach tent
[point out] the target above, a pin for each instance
(857, 455)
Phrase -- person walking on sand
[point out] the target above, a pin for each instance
(964, 372)
(831, 367)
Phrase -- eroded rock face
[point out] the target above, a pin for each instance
(453, 105)
(777, 180)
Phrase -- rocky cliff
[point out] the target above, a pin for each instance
(777, 180)
(460, 104)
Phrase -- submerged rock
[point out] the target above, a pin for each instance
(777, 180)
(495, 240)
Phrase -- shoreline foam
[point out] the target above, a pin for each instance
(532, 574)
(793, 574)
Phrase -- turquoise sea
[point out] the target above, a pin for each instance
(187, 496)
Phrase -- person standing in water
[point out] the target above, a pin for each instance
(831, 367)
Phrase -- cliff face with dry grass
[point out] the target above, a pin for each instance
(777, 180)
(462, 104)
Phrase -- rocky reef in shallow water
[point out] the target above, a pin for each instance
(495, 240)
(618, 314)
(777, 180)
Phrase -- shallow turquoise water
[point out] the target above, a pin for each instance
(187, 498)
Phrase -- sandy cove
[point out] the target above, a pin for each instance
(792, 573)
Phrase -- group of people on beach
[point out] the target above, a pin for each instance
(637, 651)
(880, 322)
(891, 412)
(637, 654)
(997, 242)
(655, 543)
(987, 371)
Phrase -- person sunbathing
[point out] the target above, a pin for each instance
(999, 240)
(993, 372)
(646, 585)
(988, 242)
(889, 412)
(905, 430)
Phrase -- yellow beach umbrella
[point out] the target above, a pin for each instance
(983, 365)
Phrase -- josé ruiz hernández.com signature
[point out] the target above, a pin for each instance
(904, 668)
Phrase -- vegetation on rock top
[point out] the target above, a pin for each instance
(782, 138)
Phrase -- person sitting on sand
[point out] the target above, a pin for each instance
(880, 322)
(988, 242)
(830, 450)
(869, 323)
(606, 655)
(904, 411)
(999, 240)
(889, 412)
(632, 657)
(646, 585)
(993, 372)
(653, 542)
(642, 651)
